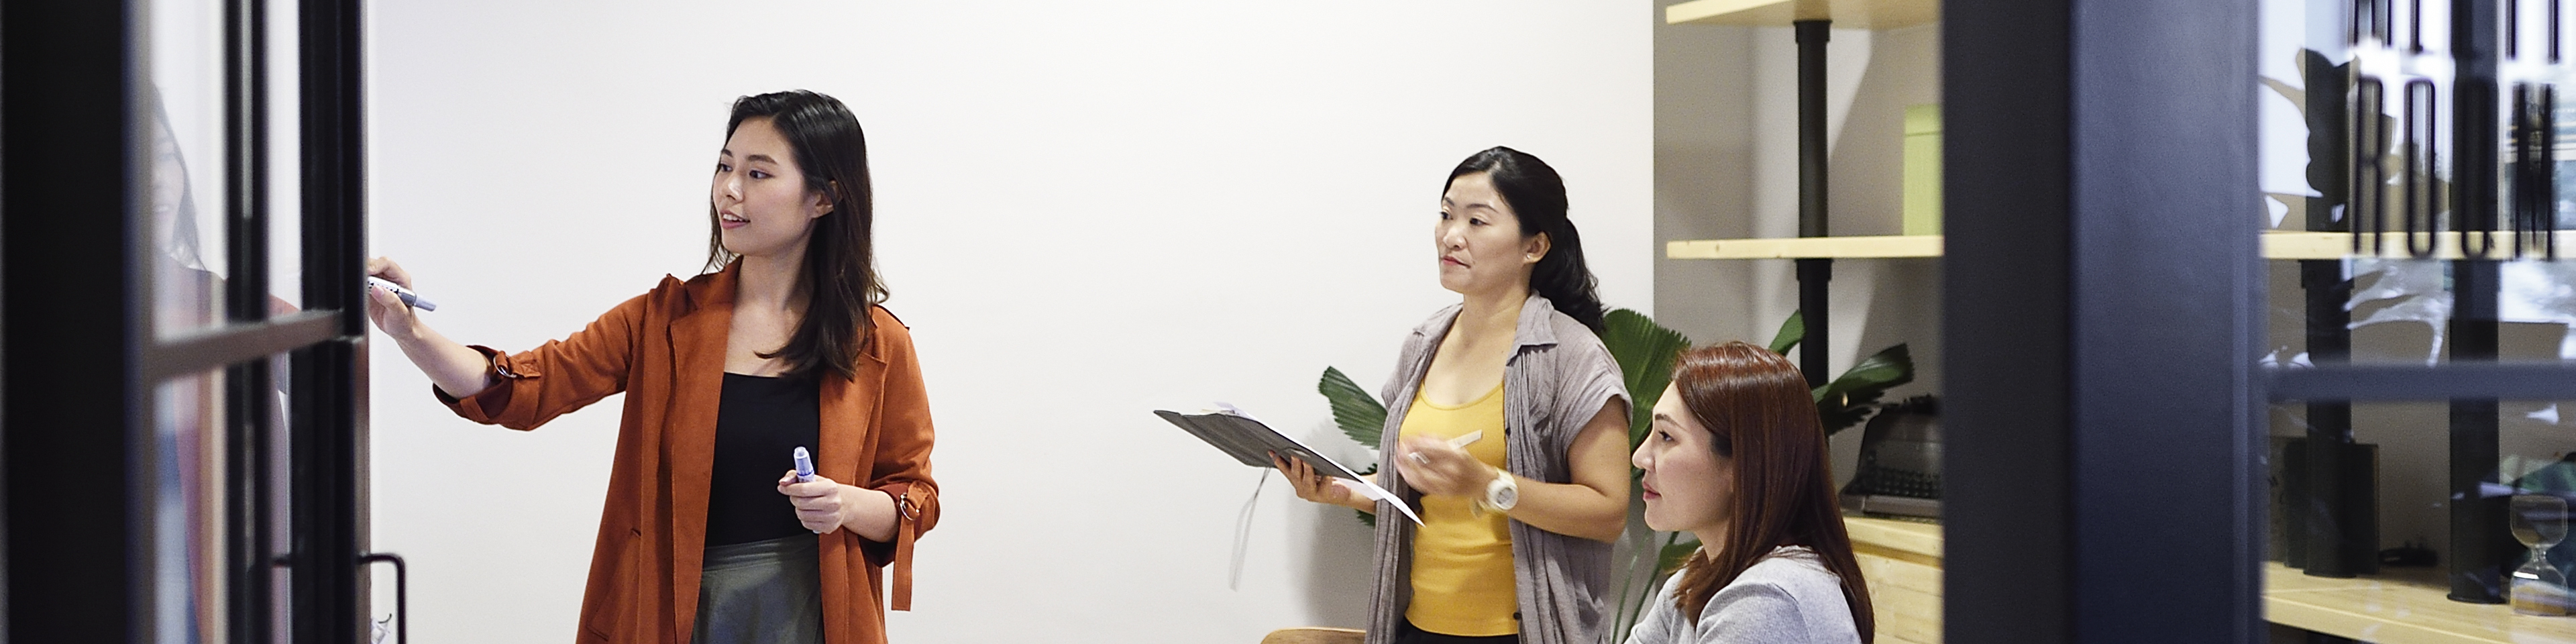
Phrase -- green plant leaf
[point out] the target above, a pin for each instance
(1851, 398)
(1645, 352)
(1889, 367)
(1792, 331)
(1673, 556)
(1359, 414)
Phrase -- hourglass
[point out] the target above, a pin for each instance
(2539, 521)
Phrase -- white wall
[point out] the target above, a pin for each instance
(1087, 211)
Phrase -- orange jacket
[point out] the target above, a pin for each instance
(666, 350)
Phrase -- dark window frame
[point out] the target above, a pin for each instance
(80, 360)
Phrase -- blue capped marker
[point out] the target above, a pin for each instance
(409, 298)
(804, 466)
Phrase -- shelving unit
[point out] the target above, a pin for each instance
(2322, 596)
(1900, 560)
(2327, 290)
(1812, 21)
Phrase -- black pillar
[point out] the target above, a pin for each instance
(327, 431)
(2100, 322)
(77, 436)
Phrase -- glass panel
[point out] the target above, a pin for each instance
(2389, 499)
(188, 508)
(186, 193)
(2401, 517)
(285, 176)
(2400, 311)
(276, 476)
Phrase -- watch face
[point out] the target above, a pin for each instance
(1505, 496)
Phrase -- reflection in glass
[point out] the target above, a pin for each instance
(184, 100)
(2539, 521)
(187, 252)
(273, 480)
(188, 508)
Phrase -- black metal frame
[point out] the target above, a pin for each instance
(328, 434)
(80, 361)
(2102, 469)
(77, 450)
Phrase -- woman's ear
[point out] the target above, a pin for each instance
(824, 198)
(1535, 248)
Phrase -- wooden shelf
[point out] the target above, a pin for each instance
(1922, 539)
(2276, 245)
(1862, 14)
(2402, 606)
(2302, 245)
(1806, 247)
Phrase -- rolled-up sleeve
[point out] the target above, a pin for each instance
(558, 377)
(902, 465)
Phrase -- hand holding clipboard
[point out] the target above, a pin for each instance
(1248, 440)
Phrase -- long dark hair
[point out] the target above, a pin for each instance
(1759, 412)
(1537, 196)
(840, 274)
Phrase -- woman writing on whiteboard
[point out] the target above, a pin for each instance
(1507, 421)
(780, 344)
(1737, 458)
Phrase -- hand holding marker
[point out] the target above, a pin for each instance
(408, 298)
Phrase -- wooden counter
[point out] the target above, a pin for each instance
(2399, 606)
(1902, 563)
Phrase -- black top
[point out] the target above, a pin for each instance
(759, 424)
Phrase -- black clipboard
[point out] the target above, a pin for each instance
(1248, 440)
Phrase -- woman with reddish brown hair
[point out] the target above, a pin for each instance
(1737, 458)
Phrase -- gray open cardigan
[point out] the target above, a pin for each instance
(1556, 381)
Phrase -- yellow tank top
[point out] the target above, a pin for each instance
(1462, 563)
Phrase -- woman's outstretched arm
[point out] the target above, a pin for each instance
(457, 369)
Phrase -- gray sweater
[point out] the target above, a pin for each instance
(1787, 597)
(1558, 378)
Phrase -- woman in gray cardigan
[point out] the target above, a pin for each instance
(1737, 458)
(1506, 422)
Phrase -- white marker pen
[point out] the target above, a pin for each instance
(804, 466)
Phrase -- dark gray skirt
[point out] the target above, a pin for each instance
(762, 592)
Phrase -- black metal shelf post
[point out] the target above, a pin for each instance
(2479, 551)
(1814, 274)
